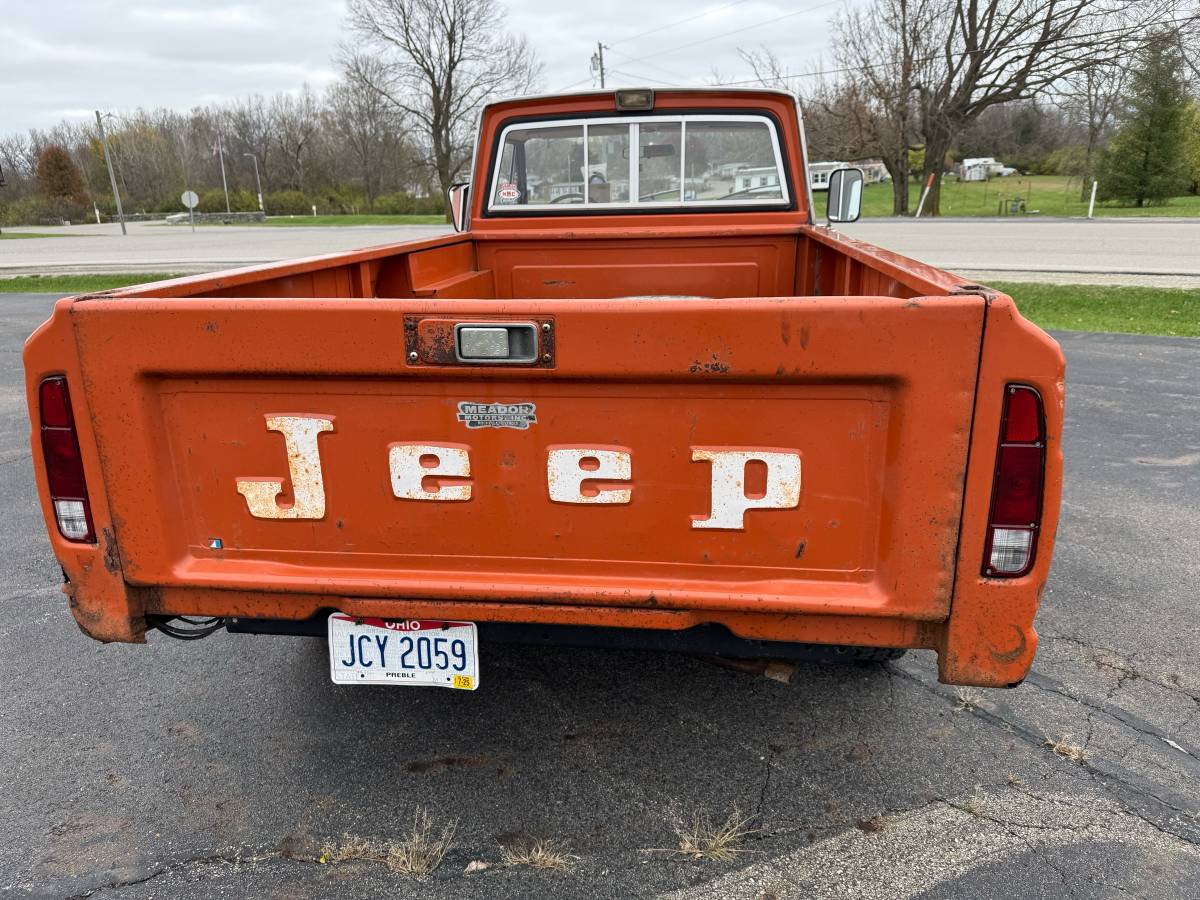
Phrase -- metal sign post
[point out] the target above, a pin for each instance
(191, 201)
(111, 175)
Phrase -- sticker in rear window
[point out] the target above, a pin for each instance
(497, 415)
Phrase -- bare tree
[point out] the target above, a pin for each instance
(438, 62)
(888, 48)
(369, 124)
(998, 51)
(295, 121)
(1093, 97)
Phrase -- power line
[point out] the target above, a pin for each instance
(680, 79)
(717, 37)
(642, 79)
(659, 53)
(700, 15)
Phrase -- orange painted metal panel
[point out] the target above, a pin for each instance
(232, 406)
(855, 386)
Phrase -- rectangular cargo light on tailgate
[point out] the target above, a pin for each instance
(1016, 510)
(64, 464)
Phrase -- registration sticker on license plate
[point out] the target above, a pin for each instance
(422, 652)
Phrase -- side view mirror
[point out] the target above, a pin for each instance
(845, 196)
(460, 211)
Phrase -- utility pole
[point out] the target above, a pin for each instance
(598, 61)
(258, 183)
(111, 175)
(224, 183)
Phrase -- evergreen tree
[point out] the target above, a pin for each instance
(58, 177)
(1191, 149)
(1145, 162)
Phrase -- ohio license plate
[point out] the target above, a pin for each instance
(420, 652)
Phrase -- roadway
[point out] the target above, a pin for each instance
(1157, 252)
(220, 768)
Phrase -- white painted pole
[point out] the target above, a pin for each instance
(924, 194)
(1092, 202)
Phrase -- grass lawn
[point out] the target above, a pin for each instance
(21, 235)
(1134, 310)
(1051, 195)
(75, 284)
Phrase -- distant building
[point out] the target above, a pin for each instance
(760, 177)
(819, 172)
(874, 171)
(981, 168)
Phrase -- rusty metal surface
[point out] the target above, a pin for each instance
(857, 400)
(785, 451)
(429, 340)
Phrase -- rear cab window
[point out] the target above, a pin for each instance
(689, 161)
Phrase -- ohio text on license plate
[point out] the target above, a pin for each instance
(405, 651)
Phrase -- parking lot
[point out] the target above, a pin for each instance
(222, 768)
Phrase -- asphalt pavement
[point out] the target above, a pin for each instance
(1155, 252)
(221, 768)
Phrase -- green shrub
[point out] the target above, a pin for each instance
(287, 203)
(43, 211)
(213, 201)
(404, 204)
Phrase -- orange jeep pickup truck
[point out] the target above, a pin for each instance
(639, 398)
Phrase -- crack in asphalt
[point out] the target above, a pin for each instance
(1129, 671)
(1100, 776)
(154, 870)
(1129, 720)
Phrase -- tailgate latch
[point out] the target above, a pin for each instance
(499, 343)
(436, 341)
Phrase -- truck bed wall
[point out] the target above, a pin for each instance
(804, 263)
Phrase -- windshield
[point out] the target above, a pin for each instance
(679, 161)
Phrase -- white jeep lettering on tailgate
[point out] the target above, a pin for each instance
(304, 472)
(408, 475)
(565, 474)
(729, 500)
(567, 469)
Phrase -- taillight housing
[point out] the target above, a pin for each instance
(64, 463)
(1016, 510)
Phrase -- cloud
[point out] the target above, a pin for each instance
(68, 57)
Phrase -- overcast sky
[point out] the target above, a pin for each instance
(65, 58)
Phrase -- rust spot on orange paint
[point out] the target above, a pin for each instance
(112, 555)
(1011, 656)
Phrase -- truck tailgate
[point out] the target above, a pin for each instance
(873, 395)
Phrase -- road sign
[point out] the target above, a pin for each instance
(189, 199)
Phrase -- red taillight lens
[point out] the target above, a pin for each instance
(1016, 511)
(64, 464)
(1022, 415)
